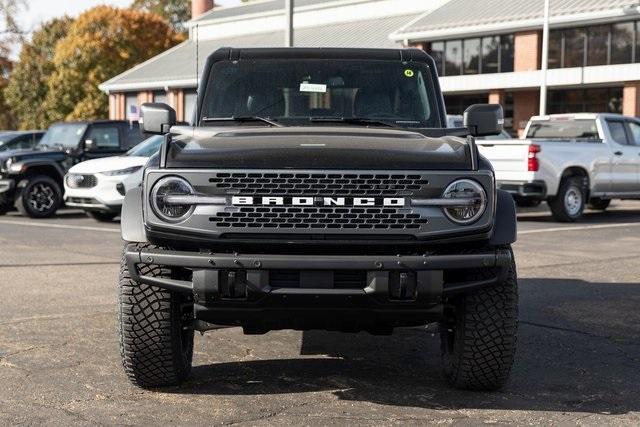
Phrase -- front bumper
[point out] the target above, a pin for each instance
(7, 185)
(104, 196)
(261, 304)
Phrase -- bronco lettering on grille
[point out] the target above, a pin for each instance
(318, 201)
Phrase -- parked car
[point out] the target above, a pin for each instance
(273, 214)
(96, 186)
(19, 140)
(32, 180)
(570, 160)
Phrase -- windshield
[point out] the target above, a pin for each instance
(564, 129)
(147, 148)
(305, 92)
(67, 135)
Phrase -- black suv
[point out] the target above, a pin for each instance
(319, 189)
(31, 180)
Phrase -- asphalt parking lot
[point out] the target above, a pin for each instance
(578, 357)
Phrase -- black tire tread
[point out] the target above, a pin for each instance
(21, 204)
(485, 341)
(556, 204)
(150, 331)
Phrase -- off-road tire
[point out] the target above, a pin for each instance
(102, 216)
(156, 342)
(23, 201)
(557, 203)
(478, 341)
(599, 204)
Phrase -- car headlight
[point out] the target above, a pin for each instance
(4, 166)
(471, 201)
(127, 171)
(161, 199)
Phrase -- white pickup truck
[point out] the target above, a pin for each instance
(569, 160)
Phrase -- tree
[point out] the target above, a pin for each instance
(101, 43)
(9, 34)
(176, 12)
(28, 83)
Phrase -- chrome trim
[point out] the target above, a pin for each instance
(195, 199)
(446, 202)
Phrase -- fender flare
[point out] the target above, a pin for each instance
(131, 219)
(505, 229)
(27, 164)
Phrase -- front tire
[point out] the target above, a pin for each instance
(478, 342)
(156, 343)
(568, 205)
(40, 197)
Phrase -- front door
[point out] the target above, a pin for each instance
(106, 140)
(624, 168)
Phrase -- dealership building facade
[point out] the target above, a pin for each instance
(486, 51)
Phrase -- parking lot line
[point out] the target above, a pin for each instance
(578, 228)
(66, 227)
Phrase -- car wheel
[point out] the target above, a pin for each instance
(102, 216)
(478, 340)
(40, 197)
(599, 204)
(156, 339)
(568, 205)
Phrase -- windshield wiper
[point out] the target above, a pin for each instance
(241, 119)
(354, 120)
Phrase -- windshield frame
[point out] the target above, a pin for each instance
(406, 57)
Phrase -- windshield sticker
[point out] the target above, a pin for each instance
(313, 87)
(409, 73)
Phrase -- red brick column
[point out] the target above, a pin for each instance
(631, 99)
(526, 51)
(525, 105)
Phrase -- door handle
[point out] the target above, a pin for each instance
(618, 153)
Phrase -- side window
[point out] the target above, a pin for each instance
(24, 142)
(634, 127)
(618, 134)
(105, 138)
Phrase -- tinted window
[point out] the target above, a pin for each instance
(490, 54)
(597, 45)
(555, 49)
(453, 58)
(105, 137)
(295, 91)
(635, 132)
(472, 56)
(64, 134)
(564, 129)
(622, 43)
(574, 47)
(618, 134)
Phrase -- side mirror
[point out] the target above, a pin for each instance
(89, 145)
(484, 119)
(157, 118)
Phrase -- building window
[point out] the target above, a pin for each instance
(453, 58)
(573, 52)
(622, 43)
(491, 54)
(131, 107)
(160, 96)
(555, 49)
(598, 45)
(190, 100)
(473, 56)
(594, 100)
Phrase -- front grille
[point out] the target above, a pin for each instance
(342, 279)
(76, 180)
(272, 217)
(318, 184)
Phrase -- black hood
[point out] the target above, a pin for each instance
(21, 155)
(315, 148)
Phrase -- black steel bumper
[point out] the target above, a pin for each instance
(396, 290)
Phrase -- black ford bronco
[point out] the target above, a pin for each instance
(31, 180)
(319, 189)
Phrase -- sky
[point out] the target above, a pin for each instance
(42, 10)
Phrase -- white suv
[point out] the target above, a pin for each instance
(96, 185)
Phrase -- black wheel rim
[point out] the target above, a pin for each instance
(41, 197)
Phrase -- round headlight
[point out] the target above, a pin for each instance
(162, 204)
(471, 201)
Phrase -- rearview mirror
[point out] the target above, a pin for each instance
(157, 118)
(484, 119)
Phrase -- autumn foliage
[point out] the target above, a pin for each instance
(101, 43)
